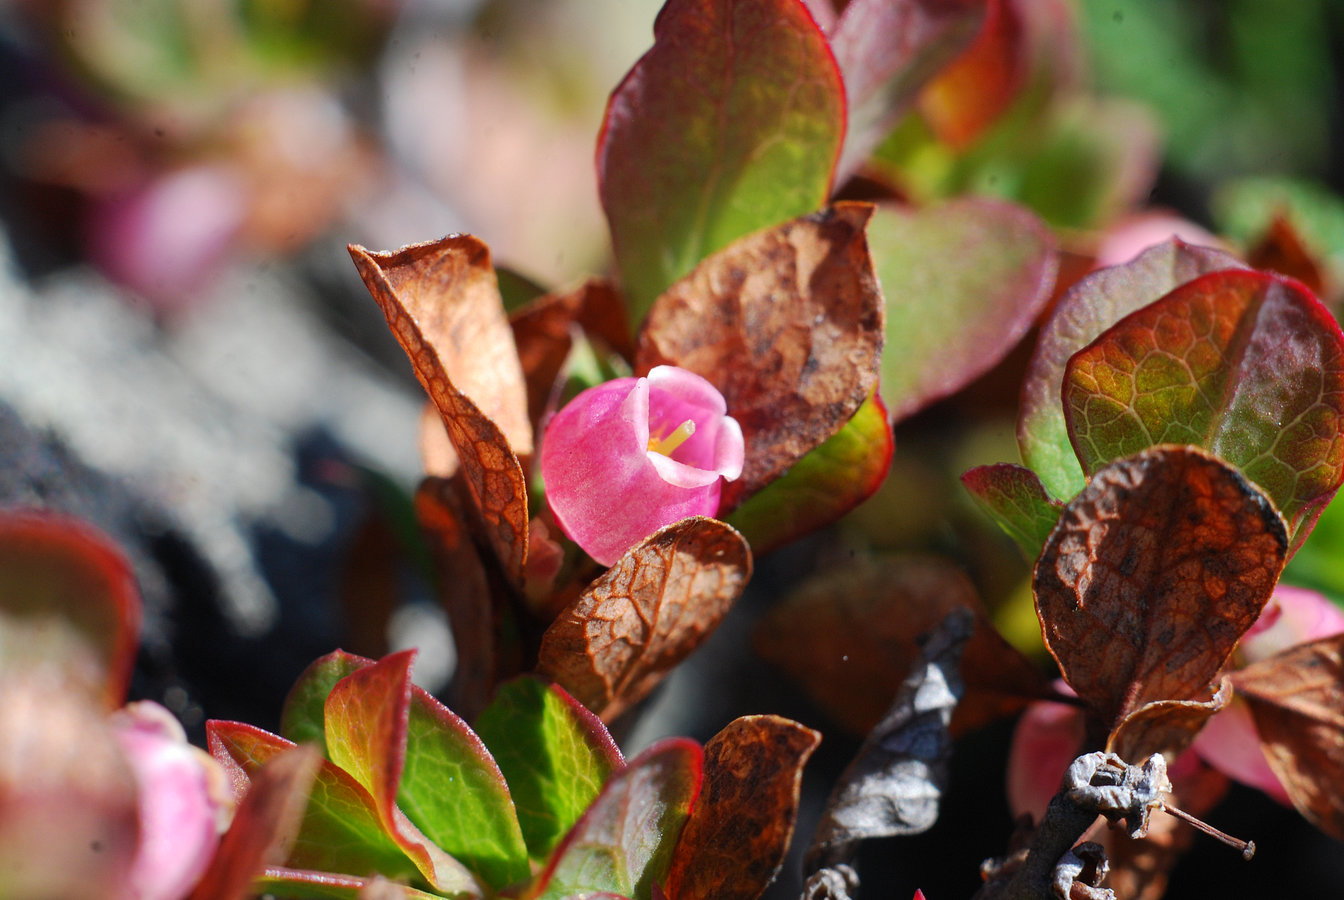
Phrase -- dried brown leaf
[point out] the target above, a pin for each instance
(742, 823)
(645, 614)
(1153, 573)
(429, 293)
(1297, 700)
(788, 324)
(849, 636)
(1165, 726)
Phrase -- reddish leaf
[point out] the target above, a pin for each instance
(1281, 249)
(888, 51)
(972, 91)
(824, 485)
(849, 635)
(298, 884)
(963, 282)
(787, 324)
(1090, 307)
(409, 285)
(543, 331)
(740, 828)
(624, 842)
(1015, 498)
(68, 600)
(645, 614)
(264, 827)
(732, 122)
(1246, 364)
(367, 720)
(1297, 700)
(1165, 726)
(1151, 576)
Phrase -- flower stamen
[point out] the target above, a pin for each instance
(666, 445)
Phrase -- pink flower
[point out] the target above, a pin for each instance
(183, 802)
(628, 457)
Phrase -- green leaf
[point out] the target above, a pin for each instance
(302, 719)
(296, 884)
(1246, 364)
(1084, 312)
(341, 831)
(732, 122)
(963, 283)
(1014, 498)
(554, 753)
(822, 486)
(68, 602)
(624, 842)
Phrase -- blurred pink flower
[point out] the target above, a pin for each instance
(628, 457)
(183, 802)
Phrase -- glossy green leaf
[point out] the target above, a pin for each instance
(1245, 364)
(69, 602)
(454, 792)
(732, 122)
(822, 486)
(367, 718)
(341, 830)
(624, 842)
(302, 719)
(1084, 312)
(1015, 498)
(963, 283)
(554, 753)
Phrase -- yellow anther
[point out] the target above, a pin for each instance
(665, 445)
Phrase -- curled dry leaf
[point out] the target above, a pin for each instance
(741, 826)
(645, 614)
(1165, 726)
(1297, 700)
(415, 288)
(849, 636)
(894, 785)
(788, 324)
(1151, 576)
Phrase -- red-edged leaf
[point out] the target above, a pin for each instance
(367, 718)
(341, 829)
(1246, 364)
(489, 461)
(887, 50)
(1091, 306)
(624, 842)
(731, 122)
(68, 600)
(302, 719)
(963, 281)
(1015, 498)
(300, 884)
(972, 91)
(1151, 576)
(787, 324)
(741, 826)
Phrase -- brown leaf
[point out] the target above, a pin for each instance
(1281, 249)
(742, 824)
(265, 826)
(1297, 700)
(1165, 726)
(543, 331)
(645, 614)
(788, 324)
(848, 635)
(445, 285)
(1152, 575)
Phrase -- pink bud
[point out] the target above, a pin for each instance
(1047, 738)
(182, 802)
(628, 457)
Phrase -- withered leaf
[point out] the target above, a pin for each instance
(645, 614)
(895, 784)
(849, 634)
(742, 823)
(788, 324)
(1165, 726)
(1153, 573)
(544, 333)
(1297, 700)
(424, 291)
(265, 826)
